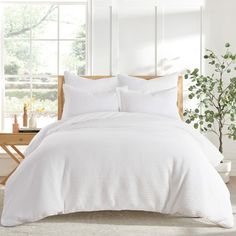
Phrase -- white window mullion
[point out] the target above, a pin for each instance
(89, 36)
(58, 40)
(30, 66)
(63, 2)
(42, 39)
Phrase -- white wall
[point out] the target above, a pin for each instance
(145, 37)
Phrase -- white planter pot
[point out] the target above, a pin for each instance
(224, 169)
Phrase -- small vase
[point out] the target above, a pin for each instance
(25, 116)
(32, 121)
(224, 170)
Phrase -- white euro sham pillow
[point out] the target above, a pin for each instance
(80, 101)
(152, 85)
(93, 86)
(162, 103)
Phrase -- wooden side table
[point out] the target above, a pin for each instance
(12, 140)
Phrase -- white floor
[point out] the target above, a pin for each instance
(125, 223)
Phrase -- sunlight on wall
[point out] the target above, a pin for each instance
(173, 35)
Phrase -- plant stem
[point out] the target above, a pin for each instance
(220, 135)
(220, 115)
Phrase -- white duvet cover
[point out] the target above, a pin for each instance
(118, 161)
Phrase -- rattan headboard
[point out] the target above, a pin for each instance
(61, 96)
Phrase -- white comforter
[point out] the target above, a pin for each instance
(118, 161)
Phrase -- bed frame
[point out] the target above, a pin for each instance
(61, 95)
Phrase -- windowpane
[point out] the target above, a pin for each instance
(44, 98)
(17, 21)
(72, 21)
(44, 57)
(16, 57)
(46, 25)
(72, 56)
(17, 92)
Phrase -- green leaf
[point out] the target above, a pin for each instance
(195, 125)
(197, 110)
(191, 96)
(211, 120)
(233, 57)
(195, 71)
(188, 71)
(206, 56)
(227, 45)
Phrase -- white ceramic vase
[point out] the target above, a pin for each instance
(224, 170)
(32, 122)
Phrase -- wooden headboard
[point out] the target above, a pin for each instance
(61, 96)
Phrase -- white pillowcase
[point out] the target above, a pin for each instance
(80, 101)
(161, 103)
(93, 86)
(152, 85)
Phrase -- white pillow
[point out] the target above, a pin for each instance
(161, 103)
(80, 101)
(90, 85)
(152, 85)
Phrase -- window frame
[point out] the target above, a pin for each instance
(31, 39)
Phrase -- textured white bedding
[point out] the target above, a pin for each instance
(118, 161)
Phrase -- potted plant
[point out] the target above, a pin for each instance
(216, 93)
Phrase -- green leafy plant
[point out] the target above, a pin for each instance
(216, 110)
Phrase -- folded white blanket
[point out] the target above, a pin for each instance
(118, 161)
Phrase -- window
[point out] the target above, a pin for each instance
(39, 41)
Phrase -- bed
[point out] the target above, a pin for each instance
(118, 161)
